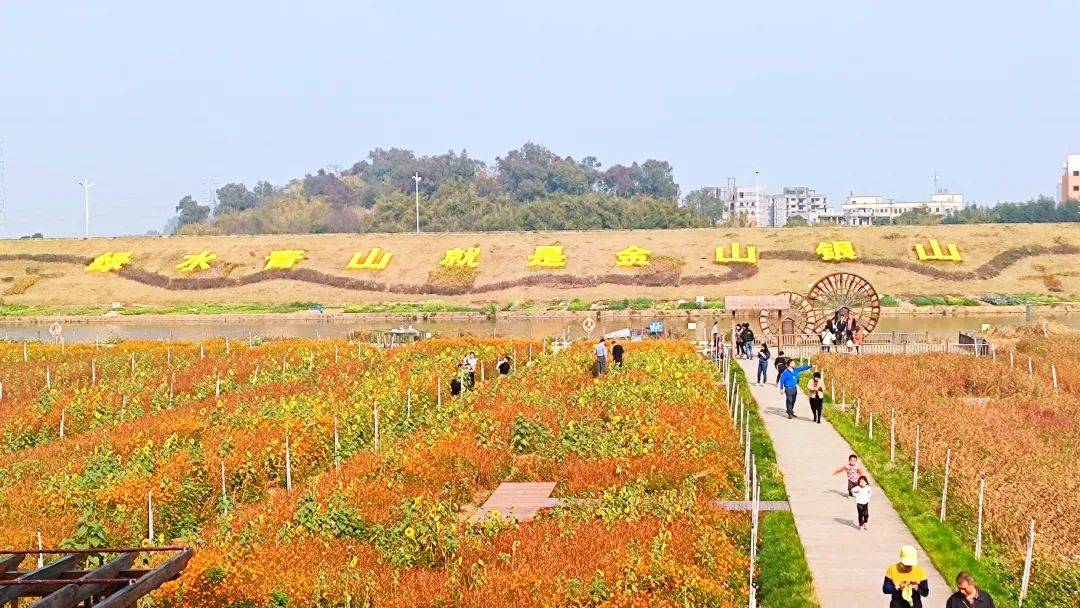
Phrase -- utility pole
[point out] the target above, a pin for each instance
(86, 183)
(757, 195)
(417, 178)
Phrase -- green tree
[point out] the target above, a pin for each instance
(189, 211)
(233, 198)
(705, 203)
(796, 221)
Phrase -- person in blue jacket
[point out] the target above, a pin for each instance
(789, 384)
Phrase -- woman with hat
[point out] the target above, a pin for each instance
(905, 582)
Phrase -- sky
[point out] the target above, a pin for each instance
(152, 101)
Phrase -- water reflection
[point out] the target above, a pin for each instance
(939, 327)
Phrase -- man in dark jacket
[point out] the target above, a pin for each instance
(748, 341)
(781, 364)
(968, 595)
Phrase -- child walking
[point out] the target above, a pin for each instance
(816, 390)
(861, 493)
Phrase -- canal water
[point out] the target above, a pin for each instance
(938, 327)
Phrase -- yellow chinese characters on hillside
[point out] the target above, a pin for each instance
(950, 254)
(735, 255)
(467, 258)
(836, 251)
(632, 256)
(547, 256)
(109, 262)
(283, 259)
(375, 259)
(195, 262)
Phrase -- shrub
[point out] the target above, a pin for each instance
(579, 305)
(622, 304)
(641, 303)
(961, 301)
(889, 301)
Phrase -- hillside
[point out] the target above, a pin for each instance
(1006, 259)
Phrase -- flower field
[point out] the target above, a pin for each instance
(326, 473)
(999, 423)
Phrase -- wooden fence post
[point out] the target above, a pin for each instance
(858, 411)
(1029, 366)
(217, 384)
(150, 516)
(892, 436)
(227, 345)
(915, 470)
(1027, 564)
(93, 371)
(63, 419)
(746, 467)
(1012, 359)
(48, 378)
(978, 530)
(1053, 374)
(40, 546)
(945, 486)
(202, 351)
(25, 352)
(132, 364)
(336, 356)
(870, 427)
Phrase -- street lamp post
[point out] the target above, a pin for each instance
(757, 193)
(86, 183)
(417, 178)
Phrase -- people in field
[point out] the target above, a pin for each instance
(601, 357)
(456, 385)
(858, 337)
(828, 338)
(738, 341)
(853, 470)
(503, 365)
(781, 364)
(763, 364)
(470, 368)
(905, 581)
(616, 353)
(789, 385)
(861, 493)
(816, 389)
(968, 595)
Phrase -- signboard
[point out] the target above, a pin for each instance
(656, 327)
(589, 324)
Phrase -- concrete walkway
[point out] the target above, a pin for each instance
(848, 565)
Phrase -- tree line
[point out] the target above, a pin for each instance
(529, 188)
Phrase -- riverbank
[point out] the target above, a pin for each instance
(331, 316)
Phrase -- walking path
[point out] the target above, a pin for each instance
(848, 565)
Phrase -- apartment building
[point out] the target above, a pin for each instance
(1070, 179)
(745, 201)
(802, 201)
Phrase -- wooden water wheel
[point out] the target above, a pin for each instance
(795, 320)
(843, 291)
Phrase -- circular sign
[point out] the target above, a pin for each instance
(55, 330)
(589, 324)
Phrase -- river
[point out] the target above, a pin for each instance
(938, 327)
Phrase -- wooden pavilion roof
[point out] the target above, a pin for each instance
(734, 303)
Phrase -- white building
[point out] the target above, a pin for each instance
(744, 201)
(862, 210)
(797, 200)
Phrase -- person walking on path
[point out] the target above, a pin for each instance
(716, 339)
(854, 471)
(738, 341)
(858, 338)
(616, 353)
(789, 384)
(905, 582)
(968, 595)
(861, 493)
(763, 364)
(601, 357)
(781, 364)
(816, 388)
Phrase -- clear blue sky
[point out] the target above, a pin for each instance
(156, 100)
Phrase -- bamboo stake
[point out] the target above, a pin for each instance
(202, 351)
(1027, 564)
(438, 402)
(1029, 366)
(978, 529)
(870, 428)
(40, 546)
(337, 446)
(1053, 374)
(48, 378)
(1012, 359)
(25, 352)
(150, 516)
(255, 374)
(224, 494)
(335, 355)
(168, 355)
(746, 467)
(93, 371)
(284, 365)
(408, 404)
(1, 391)
(915, 470)
(132, 364)
(63, 420)
(288, 464)
(945, 486)
(217, 384)
(376, 442)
